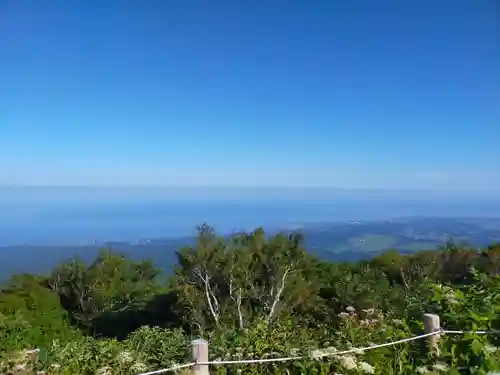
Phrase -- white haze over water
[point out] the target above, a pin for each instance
(80, 215)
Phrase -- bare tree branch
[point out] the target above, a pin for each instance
(238, 299)
(211, 299)
(278, 294)
(238, 306)
(403, 278)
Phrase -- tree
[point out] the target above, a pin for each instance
(111, 284)
(232, 281)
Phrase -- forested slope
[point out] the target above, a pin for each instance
(252, 296)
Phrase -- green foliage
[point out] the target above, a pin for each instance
(110, 287)
(28, 307)
(159, 347)
(255, 296)
(243, 279)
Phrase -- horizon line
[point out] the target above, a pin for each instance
(244, 187)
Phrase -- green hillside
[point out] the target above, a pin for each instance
(254, 296)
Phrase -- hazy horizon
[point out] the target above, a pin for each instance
(51, 215)
(238, 192)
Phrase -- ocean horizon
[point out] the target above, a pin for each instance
(50, 216)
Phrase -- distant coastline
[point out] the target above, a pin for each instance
(338, 241)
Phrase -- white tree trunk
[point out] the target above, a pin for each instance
(278, 294)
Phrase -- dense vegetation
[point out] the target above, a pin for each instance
(253, 296)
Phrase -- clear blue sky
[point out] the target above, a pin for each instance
(364, 93)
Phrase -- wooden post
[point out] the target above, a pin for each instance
(200, 354)
(432, 324)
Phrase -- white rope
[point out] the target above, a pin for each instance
(452, 332)
(353, 350)
(173, 368)
(252, 361)
(285, 359)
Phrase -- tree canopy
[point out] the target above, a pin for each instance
(257, 296)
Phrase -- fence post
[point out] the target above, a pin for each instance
(432, 324)
(200, 354)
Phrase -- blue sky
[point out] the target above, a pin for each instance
(368, 93)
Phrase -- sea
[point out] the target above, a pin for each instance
(57, 216)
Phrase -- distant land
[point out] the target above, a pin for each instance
(345, 241)
(83, 215)
(40, 226)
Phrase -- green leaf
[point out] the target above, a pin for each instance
(476, 346)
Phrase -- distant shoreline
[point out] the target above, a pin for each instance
(292, 228)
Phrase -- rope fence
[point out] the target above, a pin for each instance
(201, 363)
